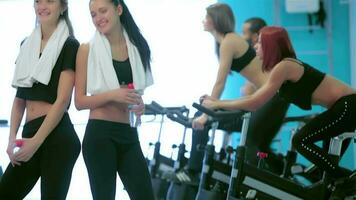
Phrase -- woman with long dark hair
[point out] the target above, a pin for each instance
(117, 56)
(44, 78)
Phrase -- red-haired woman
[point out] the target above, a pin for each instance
(302, 85)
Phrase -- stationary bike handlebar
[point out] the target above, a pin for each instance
(156, 109)
(180, 118)
(220, 115)
(151, 110)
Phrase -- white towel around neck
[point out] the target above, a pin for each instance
(101, 75)
(30, 67)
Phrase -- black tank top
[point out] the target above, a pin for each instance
(300, 92)
(123, 71)
(240, 63)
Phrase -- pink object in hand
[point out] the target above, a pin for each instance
(19, 143)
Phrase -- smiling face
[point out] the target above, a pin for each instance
(48, 11)
(105, 15)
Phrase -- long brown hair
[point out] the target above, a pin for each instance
(65, 16)
(223, 20)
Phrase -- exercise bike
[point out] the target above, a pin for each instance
(249, 182)
(159, 163)
(215, 176)
(186, 191)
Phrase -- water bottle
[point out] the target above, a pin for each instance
(135, 120)
(18, 144)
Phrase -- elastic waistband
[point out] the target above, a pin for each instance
(116, 131)
(344, 98)
(37, 122)
(107, 123)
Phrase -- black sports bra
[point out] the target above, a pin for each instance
(123, 71)
(240, 63)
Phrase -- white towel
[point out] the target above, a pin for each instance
(30, 67)
(101, 75)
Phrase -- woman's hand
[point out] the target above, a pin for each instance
(138, 109)
(27, 150)
(202, 98)
(199, 122)
(210, 103)
(127, 96)
(10, 152)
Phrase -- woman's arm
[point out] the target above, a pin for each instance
(247, 89)
(226, 57)
(53, 117)
(251, 103)
(17, 111)
(82, 101)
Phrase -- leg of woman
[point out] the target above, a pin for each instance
(100, 154)
(18, 181)
(134, 172)
(261, 133)
(338, 119)
(60, 151)
(199, 137)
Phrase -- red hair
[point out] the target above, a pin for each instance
(276, 46)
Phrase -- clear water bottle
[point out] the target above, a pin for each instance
(135, 120)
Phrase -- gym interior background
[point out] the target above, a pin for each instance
(184, 63)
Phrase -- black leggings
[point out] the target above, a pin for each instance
(263, 127)
(338, 119)
(53, 162)
(110, 147)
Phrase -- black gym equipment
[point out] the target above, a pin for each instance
(249, 182)
(218, 162)
(215, 176)
(159, 163)
(180, 191)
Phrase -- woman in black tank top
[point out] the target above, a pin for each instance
(304, 86)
